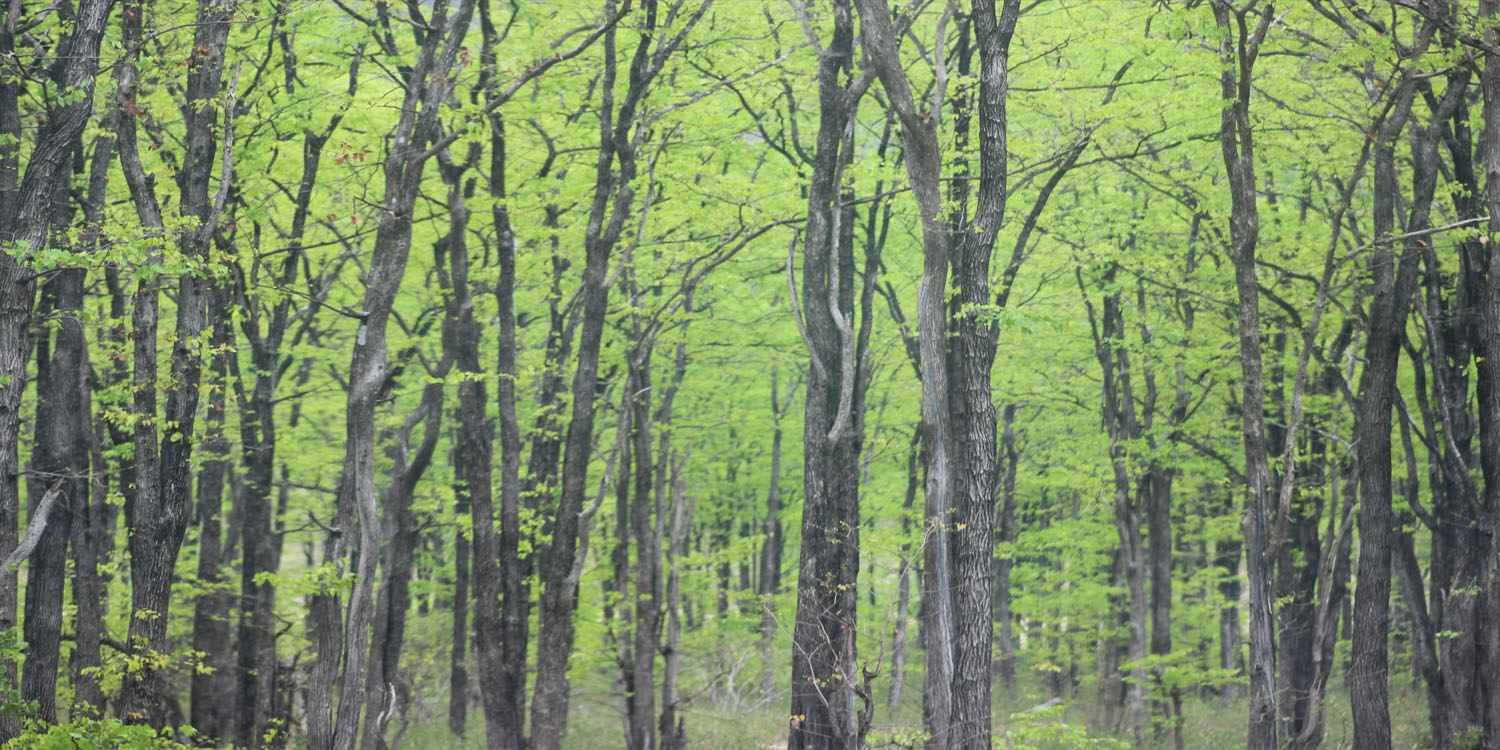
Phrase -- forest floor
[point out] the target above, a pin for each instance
(596, 724)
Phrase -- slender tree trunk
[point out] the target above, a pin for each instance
(1487, 351)
(213, 691)
(1005, 562)
(770, 549)
(385, 690)
(427, 89)
(914, 460)
(620, 135)
(161, 516)
(1238, 49)
(670, 727)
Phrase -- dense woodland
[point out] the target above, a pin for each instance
(669, 374)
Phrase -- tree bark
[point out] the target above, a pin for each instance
(1238, 47)
(26, 208)
(427, 88)
(1391, 290)
(621, 133)
(161, 515)
(213, 691)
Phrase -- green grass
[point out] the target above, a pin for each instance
(596, 723)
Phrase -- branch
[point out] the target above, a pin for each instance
(34, 528)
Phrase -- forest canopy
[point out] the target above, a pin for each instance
(809, 374)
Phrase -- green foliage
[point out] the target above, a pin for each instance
(1045, 729)
(95, 734)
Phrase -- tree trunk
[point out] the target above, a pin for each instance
(1487, 352)
(427, 89)
(1238, 49)
(26, 203)
(1392, 288)
(612, 204)
(1005, 562)
(770, 549)
(824, 667)
(385, 690)
(903, 584)
(213, 691)
(60, 460)
(161, 515)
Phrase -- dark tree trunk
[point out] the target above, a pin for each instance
(26, 211)
(161, 515)
(386, 692)
(1238, 49)
(212, 691)
(427, 88)
(612, 205)
(824, 667)
(260, 534)
(1123, 424)
(60, 461)
(93, 527)
(1487, 352)
(1390, 295)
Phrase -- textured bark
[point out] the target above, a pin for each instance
(824, 667)
(1487, 351)
(60, 459)
(93, 526)
(613, 199)
(1239, 45)
(1450, 666)
(213, 691)
(956, 348)
(427, 88)
(1392, 285)
(26, 211)
(161, 515)
(386, 693)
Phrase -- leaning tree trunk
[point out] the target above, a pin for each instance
(427, 89)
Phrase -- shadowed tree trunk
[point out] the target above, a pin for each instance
(160, 517)
(1392, 285)
(212, 691)
(1238, 48)
(959, 423)
(59, 461)
(26, 198)
(427, 88)
(386, 692)
(824, 666)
